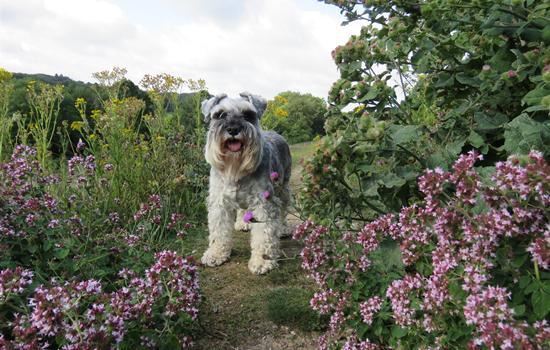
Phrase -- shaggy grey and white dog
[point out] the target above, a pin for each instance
(250, 171)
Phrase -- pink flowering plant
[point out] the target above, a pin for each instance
(75, 277)
(465, 268)
(84, 315)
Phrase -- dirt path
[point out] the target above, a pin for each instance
(245, 311)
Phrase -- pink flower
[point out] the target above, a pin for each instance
(266, 195)
(512, 74)
(248, 216)
(274, 176)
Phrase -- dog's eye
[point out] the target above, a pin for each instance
(249, 116)
(220, 115)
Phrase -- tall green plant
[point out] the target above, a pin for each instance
(44, 101)
(6, 89)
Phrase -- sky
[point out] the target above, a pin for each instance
(261, 46)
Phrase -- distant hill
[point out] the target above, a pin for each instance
(50, 79)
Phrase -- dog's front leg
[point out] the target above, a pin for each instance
(264, 240)
(220, 225)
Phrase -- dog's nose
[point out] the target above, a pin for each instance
(233, 130)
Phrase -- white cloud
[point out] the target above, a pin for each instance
(263, 46)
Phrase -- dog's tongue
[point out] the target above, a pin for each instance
(234, 146)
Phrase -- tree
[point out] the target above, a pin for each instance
(298, 117)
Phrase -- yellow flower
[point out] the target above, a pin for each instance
(281, 99)
(92, 137)
(280, 112)
(359, 108)
(96, 113)
(77, 125)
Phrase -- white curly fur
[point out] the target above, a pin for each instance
(238, 179)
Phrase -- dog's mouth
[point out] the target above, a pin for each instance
(234, 145)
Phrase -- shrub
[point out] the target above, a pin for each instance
(420, 84)
(475, 258)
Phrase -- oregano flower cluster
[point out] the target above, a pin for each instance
(467, 267)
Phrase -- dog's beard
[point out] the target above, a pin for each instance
(234, 157)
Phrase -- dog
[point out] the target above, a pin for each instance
(249, 174)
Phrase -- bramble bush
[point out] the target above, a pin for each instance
(474, 264)
(93, 246)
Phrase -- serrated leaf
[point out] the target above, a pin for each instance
(391, 180)
(404, 134)
(445, 80)
(464, 79)
(485, 122)
(454, 148)
(475, 139)
(524, 134)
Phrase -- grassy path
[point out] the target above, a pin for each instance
(245, 311)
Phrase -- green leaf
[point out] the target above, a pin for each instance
(445, 80)
(464, 79)
(535, 96)
(454, 148)
(524, 281)
(475, 139)
(399, 332)
(62, 253)
(519, 310)
(391, 180)
(524, 134)
(486, 123)
(404, 134)
(373, 92)
(541, 303)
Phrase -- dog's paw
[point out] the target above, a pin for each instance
(259, 265)
(214, 257)
(240, 225)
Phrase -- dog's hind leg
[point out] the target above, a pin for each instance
(221, 220)
(285, 196)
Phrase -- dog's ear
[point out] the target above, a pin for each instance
(258, 102)
(207, 105)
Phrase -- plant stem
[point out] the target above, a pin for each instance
(537, 273)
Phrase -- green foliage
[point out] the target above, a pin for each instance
(298, 117)
(422, 83)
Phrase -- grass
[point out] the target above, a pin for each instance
(301, 152)
(289, 306)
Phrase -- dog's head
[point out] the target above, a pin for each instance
(234, 143)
